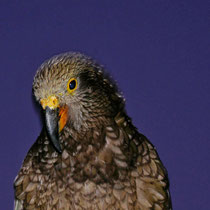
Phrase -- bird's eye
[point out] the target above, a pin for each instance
(72, 85)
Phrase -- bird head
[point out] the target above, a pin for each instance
(74, 92)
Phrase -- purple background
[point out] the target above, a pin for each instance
(157, 50)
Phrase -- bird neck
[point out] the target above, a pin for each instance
(94, 153)
(101, 153)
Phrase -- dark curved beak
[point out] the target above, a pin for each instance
(51, 122)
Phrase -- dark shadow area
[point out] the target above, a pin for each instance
(38, 109)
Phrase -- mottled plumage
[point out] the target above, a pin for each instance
(104, 163)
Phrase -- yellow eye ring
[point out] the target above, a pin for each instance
(72, 85)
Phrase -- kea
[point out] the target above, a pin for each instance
(89, 155)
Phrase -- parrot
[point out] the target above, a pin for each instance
(89, 155)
